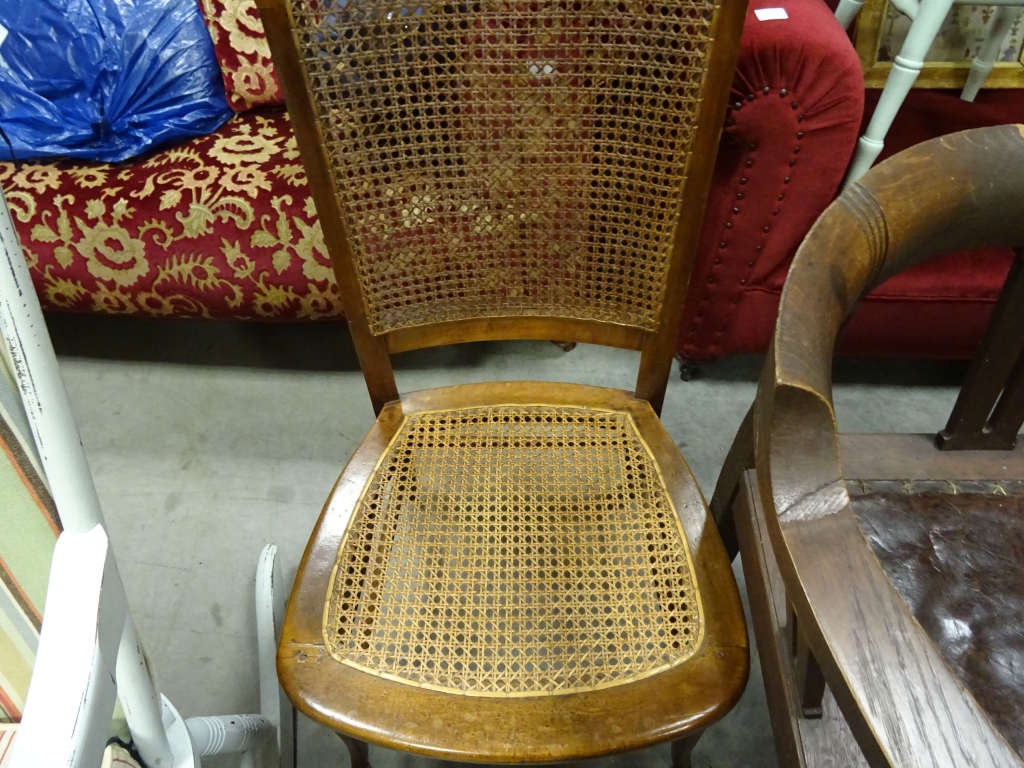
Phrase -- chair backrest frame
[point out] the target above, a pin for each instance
(67, 715)
(655, 344)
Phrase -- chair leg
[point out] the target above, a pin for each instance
(565, 346)
(905, 69)
(358, 751)
(847, 11)
(682, 749)
(810, 682)
(688, 367)
(274, 704)
(982, 64)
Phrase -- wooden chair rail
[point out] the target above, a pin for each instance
(957, 192)
(499, 328)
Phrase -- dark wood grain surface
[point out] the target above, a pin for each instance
(800, 742)
(957, 559)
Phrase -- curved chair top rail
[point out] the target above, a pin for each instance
(960, 191)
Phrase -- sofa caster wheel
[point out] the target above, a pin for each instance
(687, 371)
(565, 346)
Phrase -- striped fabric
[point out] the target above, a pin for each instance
(7, 731)
(29, 527)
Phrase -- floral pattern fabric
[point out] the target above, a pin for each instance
(221, 227)
(243, 53)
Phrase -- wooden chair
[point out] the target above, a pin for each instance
(511, 572)
(884, 571)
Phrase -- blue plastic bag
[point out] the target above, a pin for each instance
(105, 79)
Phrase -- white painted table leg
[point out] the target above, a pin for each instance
(905, 70)
(982, 64)
(67, 472)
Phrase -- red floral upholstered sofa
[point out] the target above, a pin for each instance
(222, 226)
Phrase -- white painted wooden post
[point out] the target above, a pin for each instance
(67, 715)
(39, 382)
(847, 11)
(905, 69)
(89, 648)
(982, 64)
(270, 600)
(927, 16)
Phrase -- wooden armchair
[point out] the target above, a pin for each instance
(885, 571)
(512, 572)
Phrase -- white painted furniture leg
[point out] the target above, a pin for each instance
(847, 11)
(245, 734)
(982, 64)
(34, 365)
(78, 674)
(907, 7)
(904, 72)
(141, 700)
(274, 704)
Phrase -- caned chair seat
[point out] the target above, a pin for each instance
(538, 550)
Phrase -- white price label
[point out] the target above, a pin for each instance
(770, 14)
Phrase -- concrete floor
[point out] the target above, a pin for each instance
(208, 440)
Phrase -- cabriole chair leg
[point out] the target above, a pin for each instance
(682, 749)
(358, 751)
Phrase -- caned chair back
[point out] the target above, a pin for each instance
(491, 165)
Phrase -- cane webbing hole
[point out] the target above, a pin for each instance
(500, 159)
(524, 550)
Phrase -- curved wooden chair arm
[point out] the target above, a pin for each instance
(903, 704)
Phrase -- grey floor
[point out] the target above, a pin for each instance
(208, 440)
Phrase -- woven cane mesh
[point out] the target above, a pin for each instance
(502, 158)
(514, 551)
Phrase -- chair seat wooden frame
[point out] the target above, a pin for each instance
(804, 551)
(511, 572)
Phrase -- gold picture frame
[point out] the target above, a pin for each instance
(934, 74)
